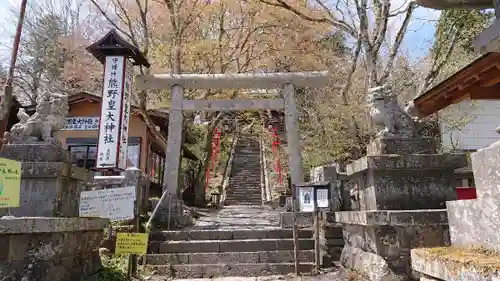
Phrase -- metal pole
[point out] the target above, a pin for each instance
(295, 230)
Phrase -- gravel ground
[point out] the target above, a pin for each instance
(338, 274)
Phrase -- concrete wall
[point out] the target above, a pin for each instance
(477, 121)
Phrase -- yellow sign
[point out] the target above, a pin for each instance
(10, 183)
(131, 243)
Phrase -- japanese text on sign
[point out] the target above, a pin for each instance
(127, 91)
(112, 203)
(81, 124)
(131, 243)
(10, 183)
(109, 129)
(322, 198)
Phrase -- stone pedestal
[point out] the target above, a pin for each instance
(384, 146)
(50, 249)
(405, 182)
(474, 229)
(383, 239)
(170, 214)
(401, 196)
(50, 185)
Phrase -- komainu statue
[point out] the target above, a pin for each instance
(50, 116)
(386, 114)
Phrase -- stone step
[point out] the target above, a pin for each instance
(225, 246)
(249, 165)
(242, 202)
(237, 190)
(192, 235)
(240, 257)
(244, 186)
(245, 173)
(243, 196)
(243, 189)
(240, 199)
(240, 191)
(185, 271)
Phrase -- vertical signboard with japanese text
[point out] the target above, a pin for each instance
(127, 92)
(111, 109)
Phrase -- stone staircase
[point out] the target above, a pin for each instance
(245, 179)
(223, 253)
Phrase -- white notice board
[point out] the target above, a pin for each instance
(306, 199)
(322, 197)
(112, 203)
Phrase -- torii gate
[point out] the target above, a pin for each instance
(178, 82)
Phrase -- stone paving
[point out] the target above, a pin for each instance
(239, 217)
(338, 274)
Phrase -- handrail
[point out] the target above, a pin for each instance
(153, 214)
(263, 160)
(228, 168)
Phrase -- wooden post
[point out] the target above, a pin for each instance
(133, 177)
(295, 230)
(317, 255)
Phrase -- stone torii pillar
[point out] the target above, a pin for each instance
(179, 82)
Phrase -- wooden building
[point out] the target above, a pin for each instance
(474, 90)
(145, 151)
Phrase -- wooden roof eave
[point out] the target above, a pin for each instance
(478, 80)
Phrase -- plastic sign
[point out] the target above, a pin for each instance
(10, 183)
(131, 243)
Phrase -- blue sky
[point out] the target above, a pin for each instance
(416, 43)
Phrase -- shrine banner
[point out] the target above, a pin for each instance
(115, 113)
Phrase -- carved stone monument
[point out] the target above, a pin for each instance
(400, 189)
(398, 128)
(50, 116)
(50, 185)
(44, 239)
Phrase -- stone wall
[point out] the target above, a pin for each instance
(331, 241)
(50, 249)
(474, 229)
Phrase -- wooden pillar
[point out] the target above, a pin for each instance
(292, 135)
(174, 141)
